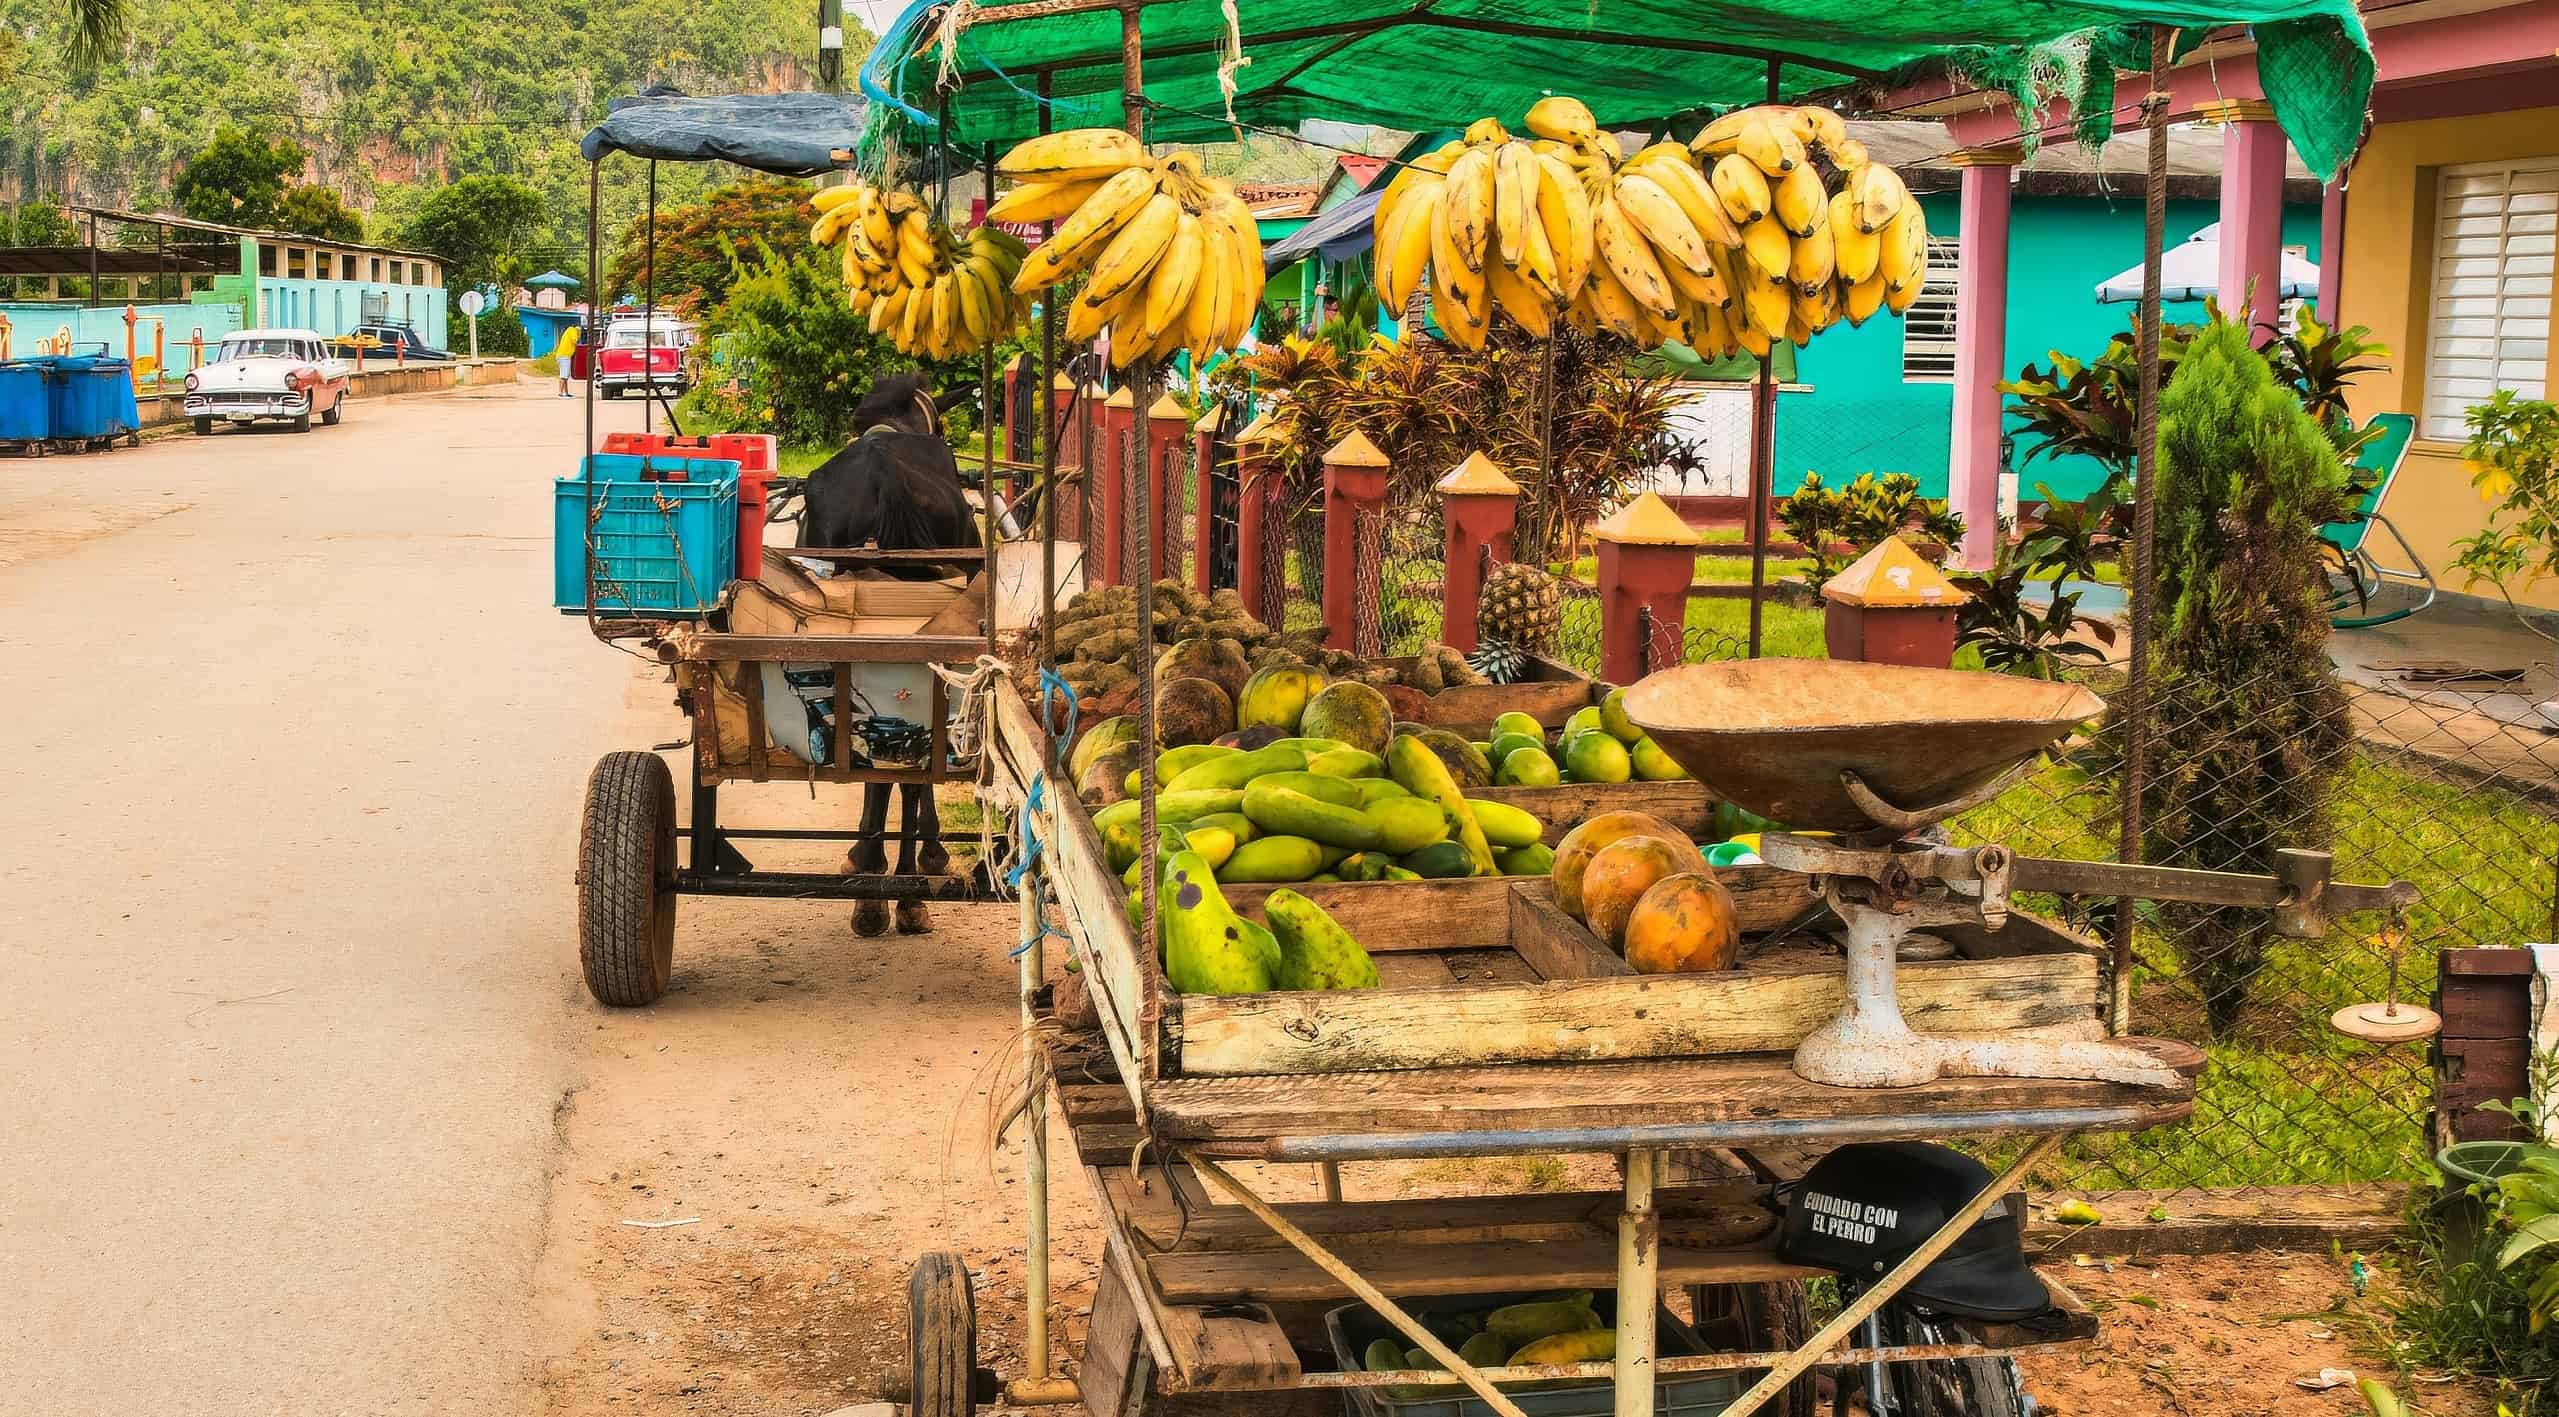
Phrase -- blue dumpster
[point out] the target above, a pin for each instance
(26, 411)
(92, 399)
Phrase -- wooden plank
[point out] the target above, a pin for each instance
(1111, 1344)
(1450, 1220)
(1557, 945)
(1640, 1016)
(692, 644)
(1502, 966)
(842, 732)
(1685, 805)
(1733, 1096)
(1413, 971)
(1387, 916)
(2195, 1222)
(2472, 1071)
(759, 762)
(1287, 1277)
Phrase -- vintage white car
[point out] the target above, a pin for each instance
(269, 374)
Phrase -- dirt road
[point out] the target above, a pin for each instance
(295, 756)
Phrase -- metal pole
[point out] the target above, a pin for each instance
(586, 476)
(1763, 456)
(648, 309)
(1048, 437)
(1034, 972)
(830, 44)
(93, 261)
(1639, 1252)
(986, 425)
(2136, 713)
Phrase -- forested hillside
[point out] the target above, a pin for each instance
(384, 96)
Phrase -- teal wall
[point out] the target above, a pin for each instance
(1861, 417)
(30, 322)
(333, 307)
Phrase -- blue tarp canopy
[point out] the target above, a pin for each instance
(789, 134)
(1337, 235)
(554, 280)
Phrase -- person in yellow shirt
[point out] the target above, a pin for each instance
(565, 354)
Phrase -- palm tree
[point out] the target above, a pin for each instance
(97, 30)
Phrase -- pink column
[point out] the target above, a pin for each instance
(1354, 499)
(1981, 348)
(2332, 248)
(1647, 557)
(2252, 209)
(1480, 508)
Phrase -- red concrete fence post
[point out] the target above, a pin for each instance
(1891, 607)
(1166, 423)
(1203, 466)
(1354, 507)
(1255, 487)
(1480, 506)
(1117, 462)
(1012, 391)
(132, 366)
(1647, 556)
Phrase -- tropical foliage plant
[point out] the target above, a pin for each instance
(1860, 515)
(2513, 455)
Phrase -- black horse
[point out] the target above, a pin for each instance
(897, 486)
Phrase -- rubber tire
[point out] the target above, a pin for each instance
(1950, 1387)
(941, 1338)
(626, 881)
(302, 424)
(337, 411)
(1774, 1319)
(204, 427)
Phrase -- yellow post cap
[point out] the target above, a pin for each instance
(1125, 396)
(1062, 384)
(1892, 575)
(1213, 420)
(1354, 451)
(1167, 406)
(1647, 521)
(1477, 476)
(1257, 431)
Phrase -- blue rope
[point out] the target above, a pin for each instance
(894, 41)
(1051, 687)
(1023, 860)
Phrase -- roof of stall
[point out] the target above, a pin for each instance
(791, 134)
(1637, 63)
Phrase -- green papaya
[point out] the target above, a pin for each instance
(1439, 861)
(1412, 763)
(1373, 790)
(1119, 843)
(1407, 824)
(1340, 791)
(1398, 873)
(1273, 858)
(1383, 1356)
(1124, 810)
(1310, 746)
(1275, 697)
(1234, 770)
(1522, 1324)
(1183, 806)
(1364, 866)
(1291, 813)
(1212, 844)
(1346, 762)
(1538, 860)
(1351, 711)
(1484, 1350)
(1583, 1345)
(1206, 950)
(1504, 825)
(1333, 856)
(1101, 738)
(1235, 824)
(1173, 762)
(1315, 951)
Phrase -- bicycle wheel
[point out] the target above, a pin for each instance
(1949, 1387)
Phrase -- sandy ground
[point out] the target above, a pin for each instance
(296, 754)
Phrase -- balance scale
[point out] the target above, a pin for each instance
(1848, 748)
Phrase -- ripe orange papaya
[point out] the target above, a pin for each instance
(1618, 877)
(1684, 924)
(1573, 854)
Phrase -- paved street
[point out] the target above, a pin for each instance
(296, 750)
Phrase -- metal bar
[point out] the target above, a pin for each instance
(2136, 699)
(1756, 1131)
(1672, 1365)
(805, 885)
(819, 834)
(1049, 433)
(1763, 459)
(986, 419)
(706, 828)
(1639, 1254)
(649, 307)
(1368, 1293)
(1034, 973)
(1882, 1291)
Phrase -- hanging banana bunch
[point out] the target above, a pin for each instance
(930, 294)
(1171, 256)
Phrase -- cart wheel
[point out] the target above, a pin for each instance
(626, 885)
(1950, 1387)
(941, 1338)
(1773, 1319)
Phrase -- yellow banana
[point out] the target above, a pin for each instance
(1880, 195)
(976, 309)
(1076, 155)
(1770, 143)
(1848, 155)
(1244, 244)
(1799, 201)
(1605, 144)
(1514, 198)
(1404, 247)
(1563, 211)
(1702, 287)
(1905, 258)
(1713, 332)
(1486, 133)
(910, 325)
(1042, 201)
(1623, 251)
(1828, 129)
(827, 227)
(1520, 298)
(1469, 203)
(1752, 339)
(1810, 265)
(1768, 247)
(1899, 298)
(1798, 333)
(1537, 267)
(1813, 308)
(1430, 169)
(1864, 298)
(1670, 167)
(1767, 303)
(827, 199)
(1136, 249)
(1614, 307)
(1562, 118)
(1207, 305)
(890, 311)
(1855, 252)
(1659, 217)
(1175, 279)
(1723, 135)
(1460, 300)
(1082, 236)
(1741, 187)
(916, 255)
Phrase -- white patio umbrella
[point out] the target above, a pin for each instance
(2192, 271)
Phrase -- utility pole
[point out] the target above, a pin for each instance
(830, 44)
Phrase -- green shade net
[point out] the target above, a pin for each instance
(1639, 64)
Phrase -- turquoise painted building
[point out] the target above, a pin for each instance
(1880, 398)
(271, 278)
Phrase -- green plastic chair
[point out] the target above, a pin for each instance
(2359, 576)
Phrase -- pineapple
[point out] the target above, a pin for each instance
(1516, 618)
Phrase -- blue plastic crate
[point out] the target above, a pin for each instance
(659, 467)
(25, 407)
(661, 549)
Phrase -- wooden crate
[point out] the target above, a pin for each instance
(1551, 693)
(1688, 806)
(2485, 1051)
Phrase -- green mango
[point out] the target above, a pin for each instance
(1523, 1324)
(1536, 860)
(1596, 757)
(1315, 951)
(1505, 744)
(1290, 813)
(1527, 767)
(1439, 861)
(1234, 823)
(1206, 945)
(1526, 725)
(1505, 825)
(1273, 858)
(1340, 791)
(1346, 763)
(1373, 790)
(1234, 770)
(1612, 717)
(1582, 719)
(1411, 762)
(1408, 823)
(1654, 765)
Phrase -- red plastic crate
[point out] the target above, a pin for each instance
(754, 455)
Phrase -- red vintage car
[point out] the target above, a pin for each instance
(644, 353)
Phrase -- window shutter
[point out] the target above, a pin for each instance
(2488, 318)
(1928, 327)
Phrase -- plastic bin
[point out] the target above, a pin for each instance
(662, 549)
(752, 452)
(1352, 1328)
(657, 457)
(91, 399)
(26, 405)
